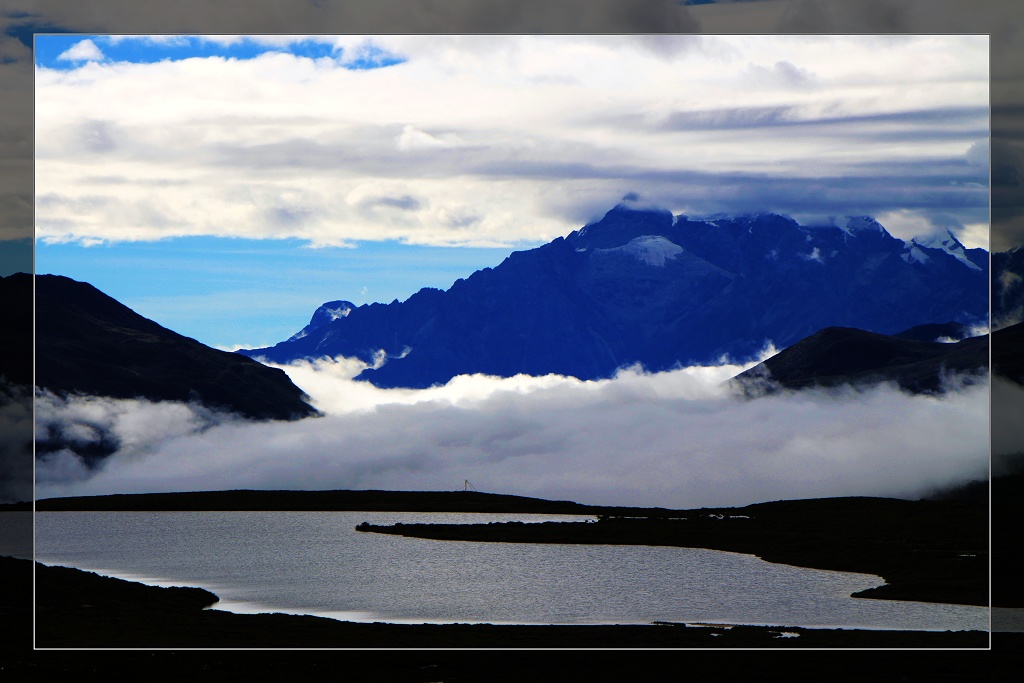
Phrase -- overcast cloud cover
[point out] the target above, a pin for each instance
(508, 140)
(674, 439)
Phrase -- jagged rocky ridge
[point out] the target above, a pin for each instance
(644, 286)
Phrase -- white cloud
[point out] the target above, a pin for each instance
(159, 39)
(675, 439)
(413, 138)
(907, 224)
(534, 133)
(82, 51)
(138, 424)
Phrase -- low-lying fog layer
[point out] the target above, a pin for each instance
(673, 439)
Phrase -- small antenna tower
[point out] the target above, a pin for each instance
(467, 486)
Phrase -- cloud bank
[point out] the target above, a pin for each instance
(673, 439)
(15, 442)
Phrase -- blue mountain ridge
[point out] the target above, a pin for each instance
(641, 286)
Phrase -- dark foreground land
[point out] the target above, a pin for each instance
(143, 613)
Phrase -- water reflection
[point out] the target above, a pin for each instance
(316, 563)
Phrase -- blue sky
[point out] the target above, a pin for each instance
(67, 51)
(245, 292)
(187, 283)
(225, 186)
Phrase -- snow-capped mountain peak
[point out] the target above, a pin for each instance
(643, 286)
(851, 225)
(947, 243)
(327, 313)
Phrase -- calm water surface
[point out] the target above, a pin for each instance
(316, 563)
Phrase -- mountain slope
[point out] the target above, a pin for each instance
(88, 343)
(644, 286)
(1008, 353)
(1008, 287)
(839, 355)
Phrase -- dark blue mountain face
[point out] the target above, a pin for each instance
(646, 287)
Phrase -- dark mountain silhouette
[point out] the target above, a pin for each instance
(1008, 287)
(16, 336)
(937, 331)
(839, 355)
(88, 343)
(1008, 352)
(644, 286)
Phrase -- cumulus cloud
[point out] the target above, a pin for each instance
(532, 132)
(83, 51)
(678, 439)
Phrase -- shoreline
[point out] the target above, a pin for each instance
(924, 550)
(936, 552)
(78, 609)
(932, 551)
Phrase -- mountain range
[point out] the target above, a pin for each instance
(642, 286)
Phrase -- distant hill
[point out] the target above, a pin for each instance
(89, 343)
(644, 286)
(839, 355)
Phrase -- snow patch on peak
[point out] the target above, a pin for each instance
(915, 254)
(653, 250)
(340, 312)
(324, 315)
(815, 255)
(947, 243)
(709, 218)
(853, 224)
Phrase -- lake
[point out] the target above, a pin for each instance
(316, 563)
